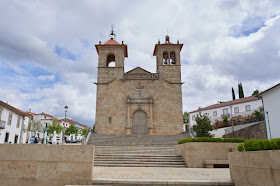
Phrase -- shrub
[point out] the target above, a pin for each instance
(225, 119)
(207, 139)
(261, 144)
(240, 147)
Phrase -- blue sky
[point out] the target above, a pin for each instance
(48, 59)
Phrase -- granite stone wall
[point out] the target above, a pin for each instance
(257, 168)
(40, 164)
(257, 131)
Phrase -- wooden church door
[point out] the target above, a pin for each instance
(139, 123)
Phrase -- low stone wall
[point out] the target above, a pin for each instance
(194, 153)
(41, 164)
(255, 168)
(257, 131)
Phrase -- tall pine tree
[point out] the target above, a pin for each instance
(233, 94)
(240, 90)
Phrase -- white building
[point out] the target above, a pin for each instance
(242, 106)
(12, 122)
(271, 104)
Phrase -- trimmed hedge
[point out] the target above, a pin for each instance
(261, 144)
(206, 139)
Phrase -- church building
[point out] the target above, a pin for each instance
(138, 101)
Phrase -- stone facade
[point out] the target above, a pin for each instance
(138, 101)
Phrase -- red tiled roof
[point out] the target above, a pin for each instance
(155, 50)
(112, 42)
(228, 103)
(12, 108)
(45, 114)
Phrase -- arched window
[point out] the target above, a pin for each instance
(111, 60)
(165, 58)
(172, 58)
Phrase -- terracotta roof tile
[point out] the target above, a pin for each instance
(111, 42)
(11, 107)
(233, 102)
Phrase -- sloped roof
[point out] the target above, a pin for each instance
(14, 109)
(228, 103)
(138, 70)
(44, 114)
(260, 94)
(112, 42)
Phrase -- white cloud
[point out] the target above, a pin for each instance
(217, 59)
(43, 78)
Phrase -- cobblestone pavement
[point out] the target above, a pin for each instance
(161, 173)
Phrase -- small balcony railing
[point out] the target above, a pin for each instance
(2, 124)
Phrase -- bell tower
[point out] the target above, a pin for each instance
(168, 60)
(111, 56)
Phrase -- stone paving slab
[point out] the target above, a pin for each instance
(161, 173)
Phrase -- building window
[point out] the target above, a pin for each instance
(225, 112)
(7, 137)
(236, 110)
(165, 58)
(172, 58)
(248, 108)
(10, 119)
(110, 120)
(16, 138)
(193, 117)
(215, 114)
(18, 121)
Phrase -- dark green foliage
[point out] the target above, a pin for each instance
(71, 130)
(261, 144)
(225, 119)
(240, 147)
(233, 94)
(203, 126)
(55, 126)
(186, 117)
(84, 131)
(207, 139)
(240, 90)
(255, 92)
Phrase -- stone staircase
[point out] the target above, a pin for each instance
(136, 150)
(137, 156)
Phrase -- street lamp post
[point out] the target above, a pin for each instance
(66, 108)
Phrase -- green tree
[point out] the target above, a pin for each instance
(84, 131)
(186, 117)
(233, 94)
(71, 130)
(203, 126)
(240, 90)
(93, 128)
(35, 126)
(55, 126)
(255, 92)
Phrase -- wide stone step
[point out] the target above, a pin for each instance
(141, 162)
(133, 182)
(96, 158)
(139, 165)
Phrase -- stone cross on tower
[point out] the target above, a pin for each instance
(139, 87)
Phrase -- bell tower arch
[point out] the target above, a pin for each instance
(168, 60)
(111, 56)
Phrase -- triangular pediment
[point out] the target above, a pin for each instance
(138, 70)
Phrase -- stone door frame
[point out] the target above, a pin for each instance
(135, 104)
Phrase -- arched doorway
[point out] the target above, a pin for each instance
(139, 122)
